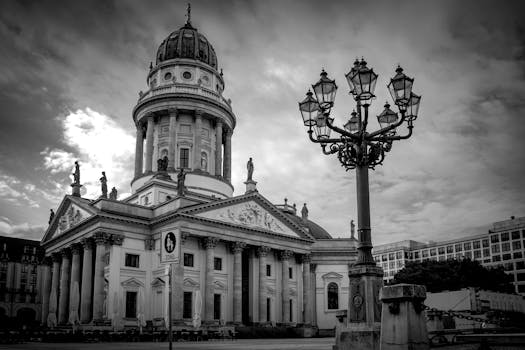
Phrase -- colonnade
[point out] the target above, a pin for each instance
(260, 295)
(74, 265)
(145, 131)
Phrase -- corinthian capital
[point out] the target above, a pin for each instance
(238, 247)
(285, 254)
(263, 251)
(210, 242)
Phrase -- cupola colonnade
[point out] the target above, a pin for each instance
(189, 139)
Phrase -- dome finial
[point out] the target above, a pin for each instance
(188, 14)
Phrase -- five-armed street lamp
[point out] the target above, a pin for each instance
(357, 148)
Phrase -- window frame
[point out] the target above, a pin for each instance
(127, 263)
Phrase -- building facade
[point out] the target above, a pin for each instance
(503, 245)
(242, 259)
(21, 266)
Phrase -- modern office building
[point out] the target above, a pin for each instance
(502, 245)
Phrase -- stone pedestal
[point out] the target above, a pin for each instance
(251, 186)
(403, 322)
(75, 189)
(362, 328)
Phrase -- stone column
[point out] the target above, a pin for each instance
(30, 267)
(313, 295)
(63, 301)
(172, 146)
(285, 257)
(18, 282)
(210, 244)
(46, 288)
(218, 149)
(55, 280)
(197, 142)
(87, 281)
(307, 301)
(227, 173)
(139, 150)
(262, 252)
(237, 249)
(76, 248)
(149, 144)
(101, 240)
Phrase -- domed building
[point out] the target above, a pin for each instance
(234, 260)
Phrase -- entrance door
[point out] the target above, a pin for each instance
(245, 287)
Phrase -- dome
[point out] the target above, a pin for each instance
(187, 42)
(314, 229)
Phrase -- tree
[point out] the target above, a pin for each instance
(454, 275)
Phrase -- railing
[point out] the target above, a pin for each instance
(184, 89)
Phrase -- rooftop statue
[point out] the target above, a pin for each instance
(249, 167)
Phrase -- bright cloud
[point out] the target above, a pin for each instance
(99, 144)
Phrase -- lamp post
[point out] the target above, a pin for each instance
(359, 149)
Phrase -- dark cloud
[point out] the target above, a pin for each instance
(462, 169)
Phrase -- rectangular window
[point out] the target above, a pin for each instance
(391, 256)
(467, 246)
(268, 270)
(505, 247)
(520, 265)
(517, 255)
(217, 264)
(495, 248)
(392, 264)
(184, 158)
(450, 249)
(516, 235)
(290, 273)
(441, 250)
(131, 260)
(216, 306)
(494, 238)
(268, 308)
(476, 244)
(188, 259)
(399, 255)
(441, 258)
(131, 304)
(187, 305)
(477, 254)
(506, 256)
(486, 252)
(433, 252)
(291, 310)
(416, 255)
(496, 258)
(521, 276)
(516, 245)
(424, 253)
(485, 243)
(383, 257)
(508, 266)
(468, 255)
(458, 247)
(504, 236)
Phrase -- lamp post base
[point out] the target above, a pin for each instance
(361, 330)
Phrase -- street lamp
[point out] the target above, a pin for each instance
(355, 147)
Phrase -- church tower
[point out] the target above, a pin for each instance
(183, 118)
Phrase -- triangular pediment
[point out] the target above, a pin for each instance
(189, 282)
(132, 283)
(218, 285)
(158, 282)
(250, 214)
(71, 212)
(332, 275)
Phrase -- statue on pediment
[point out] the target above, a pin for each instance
(76, 174)
(104, 185)
(51, 216)
(113, 194)
(181, 177)
(249, 167)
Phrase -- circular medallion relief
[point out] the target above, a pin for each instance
(168, 76)
(357, 301)
(205, 80)
(186, 75)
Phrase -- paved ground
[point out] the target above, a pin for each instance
(241, 344)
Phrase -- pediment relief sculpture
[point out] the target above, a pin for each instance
(251, 214)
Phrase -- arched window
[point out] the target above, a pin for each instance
(204, 161)
(333, 296)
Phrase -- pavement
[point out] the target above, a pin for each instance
(240, 344)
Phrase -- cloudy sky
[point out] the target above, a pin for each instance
(71, 72)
